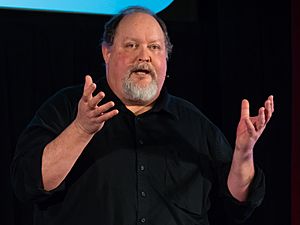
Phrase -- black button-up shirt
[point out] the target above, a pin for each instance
(158, 168)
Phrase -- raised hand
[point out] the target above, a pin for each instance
(91, 116)
(250, 128)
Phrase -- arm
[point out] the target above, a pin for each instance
(60, 155)
(248, 131)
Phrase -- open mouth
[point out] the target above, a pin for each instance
(141, 72)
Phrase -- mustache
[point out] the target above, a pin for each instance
(143, 67)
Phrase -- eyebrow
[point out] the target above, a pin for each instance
(137, 40)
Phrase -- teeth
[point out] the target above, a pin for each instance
(141, 71)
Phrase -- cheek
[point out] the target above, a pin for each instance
(118, 63)
(123, 60)
(161, 66)
(161, 70)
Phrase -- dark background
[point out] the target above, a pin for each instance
(224, 51)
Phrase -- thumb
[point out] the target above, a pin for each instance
(88, 81)
(245, 109)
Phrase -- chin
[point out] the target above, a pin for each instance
(140, 93)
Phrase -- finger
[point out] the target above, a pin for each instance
(261, 120)
(89, 88)
(96, 99)
(268, 111)
(104, 108)
(88, 81)
(108, 115)
(245, 109)
(250, 127)
(271, 98)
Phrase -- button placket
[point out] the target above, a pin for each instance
(141, 179)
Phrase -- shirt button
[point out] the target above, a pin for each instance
(143, 194)
(142, 167)
(141, 142)
(143, 220)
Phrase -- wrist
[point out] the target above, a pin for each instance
(79, 129)
(242, 154)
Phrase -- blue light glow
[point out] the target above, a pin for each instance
(84, 6)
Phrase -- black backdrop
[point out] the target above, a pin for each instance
(224, 51)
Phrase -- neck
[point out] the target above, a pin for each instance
(139, 109)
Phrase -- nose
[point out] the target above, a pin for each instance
(144, 60)
(144, 55)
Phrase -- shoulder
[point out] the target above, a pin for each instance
(69, 93)
(190, 114)
(184, 109)
(65, 97)
(61, 106)
(201, 127)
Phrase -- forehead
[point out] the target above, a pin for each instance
(139, 25)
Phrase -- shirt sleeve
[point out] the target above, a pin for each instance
(236, 211)
(49, 121)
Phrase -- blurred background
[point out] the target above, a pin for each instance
(224, 51)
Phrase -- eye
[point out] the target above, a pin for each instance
(131, 45)
(154, 47)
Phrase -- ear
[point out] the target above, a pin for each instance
(106, 53)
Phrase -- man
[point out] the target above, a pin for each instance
(124, 151)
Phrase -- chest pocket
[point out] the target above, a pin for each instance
(189, 181)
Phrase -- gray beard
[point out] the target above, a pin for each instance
(137, 93)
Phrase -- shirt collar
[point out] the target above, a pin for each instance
(163, 103)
